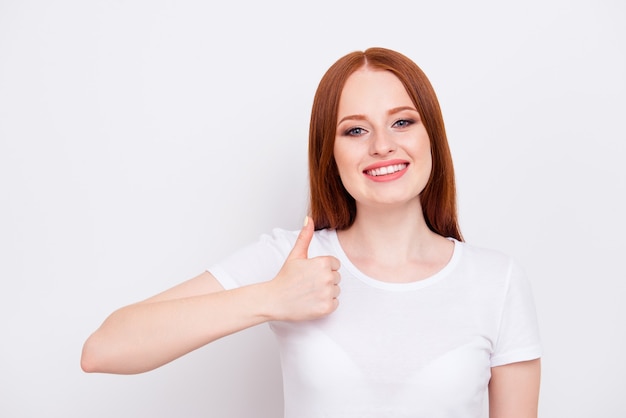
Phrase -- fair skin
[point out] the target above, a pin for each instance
(380, 131)
(383, 156)
(380, 127)
(199, 311)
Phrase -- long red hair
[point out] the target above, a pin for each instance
(330, 204)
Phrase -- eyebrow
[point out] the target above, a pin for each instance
(389, 112)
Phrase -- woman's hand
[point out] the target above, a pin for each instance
(305, 288)
(148, 334)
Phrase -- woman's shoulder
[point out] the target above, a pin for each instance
(479, 250)
(486, 258)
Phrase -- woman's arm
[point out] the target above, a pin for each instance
(148, 334)
(514, 390)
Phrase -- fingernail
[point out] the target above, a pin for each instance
(306, 220)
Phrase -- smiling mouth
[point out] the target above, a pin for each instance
(384, 171)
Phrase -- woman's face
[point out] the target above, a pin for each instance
(381, 147)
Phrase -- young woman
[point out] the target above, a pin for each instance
(426, 325)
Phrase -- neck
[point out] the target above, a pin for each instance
(390, 233)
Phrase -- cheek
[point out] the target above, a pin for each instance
(425, 152)
(428, 162)
(344, 172)
(427, 169)
(423, 160)
(346, 167)
(342, 159)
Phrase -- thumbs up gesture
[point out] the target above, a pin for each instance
(305, 288)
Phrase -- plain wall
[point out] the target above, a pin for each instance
(141, 141)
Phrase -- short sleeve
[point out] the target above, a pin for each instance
(518, 336)
(256, 262)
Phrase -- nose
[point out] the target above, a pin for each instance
(382, 144)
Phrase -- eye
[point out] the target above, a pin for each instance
(356, 131)
(403, 123)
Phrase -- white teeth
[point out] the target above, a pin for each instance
(390, 169)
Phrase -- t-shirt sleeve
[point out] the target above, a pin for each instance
(518, 337)
(256, 262)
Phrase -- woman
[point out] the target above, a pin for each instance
(426, 325)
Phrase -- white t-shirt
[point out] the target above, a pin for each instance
(420, 349)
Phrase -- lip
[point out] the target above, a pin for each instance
(386, 177)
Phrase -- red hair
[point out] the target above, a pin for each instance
(330, 204)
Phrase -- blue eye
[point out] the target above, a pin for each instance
(354, 132)
(403, 123)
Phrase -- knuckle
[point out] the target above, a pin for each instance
(324, 307)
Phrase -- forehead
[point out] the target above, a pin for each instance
(369, 89)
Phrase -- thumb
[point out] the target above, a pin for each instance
(301, 247)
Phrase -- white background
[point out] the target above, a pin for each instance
(141, 141)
